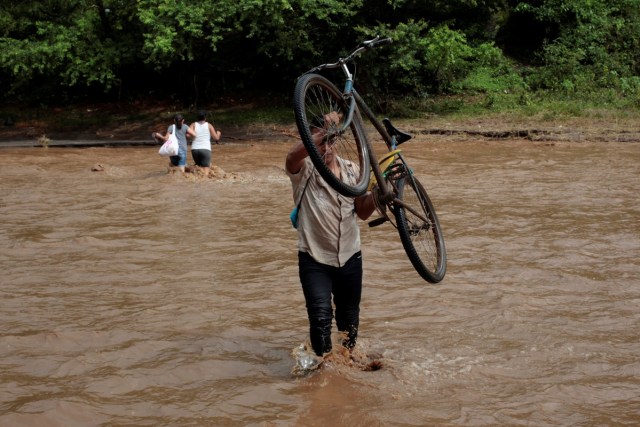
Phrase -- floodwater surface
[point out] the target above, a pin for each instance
(134, 297)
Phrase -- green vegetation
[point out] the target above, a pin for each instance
(457, 57)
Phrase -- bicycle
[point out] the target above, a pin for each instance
(316, 99)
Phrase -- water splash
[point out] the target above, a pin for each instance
(306, 360)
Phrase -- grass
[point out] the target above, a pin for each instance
(252, 114)
(539, 106)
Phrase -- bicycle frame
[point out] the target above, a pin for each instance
(386, 190)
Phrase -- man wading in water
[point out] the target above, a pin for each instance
(329, 257)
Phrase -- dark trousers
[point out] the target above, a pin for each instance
(319, 282)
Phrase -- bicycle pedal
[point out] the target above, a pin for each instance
(377, 221)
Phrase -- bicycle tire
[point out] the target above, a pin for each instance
(314, 97)
(423, 242)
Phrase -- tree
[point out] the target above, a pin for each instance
(196, 51)
(594, 43)
(71, 43)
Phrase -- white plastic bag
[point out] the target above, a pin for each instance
(171, 146)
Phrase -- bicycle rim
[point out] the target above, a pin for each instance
(421, 238)
(314, 98)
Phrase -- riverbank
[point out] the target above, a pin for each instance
(131, 124)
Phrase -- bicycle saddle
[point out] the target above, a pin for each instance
(393, 131)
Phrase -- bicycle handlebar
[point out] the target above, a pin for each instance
(367, 44)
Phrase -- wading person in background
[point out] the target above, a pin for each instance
(329, 257)
(201, 145)
(182, 132)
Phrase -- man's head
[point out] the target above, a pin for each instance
(325, 144)
(326, 121)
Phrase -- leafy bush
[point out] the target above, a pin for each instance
(596, 46)
(68, 50)
(429, 59)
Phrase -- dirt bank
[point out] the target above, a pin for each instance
(135, 122)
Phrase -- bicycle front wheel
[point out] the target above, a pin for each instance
(420, 230)
(315, 98)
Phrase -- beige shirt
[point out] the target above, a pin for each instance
(327, 222)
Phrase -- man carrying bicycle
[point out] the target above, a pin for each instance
(329, 256)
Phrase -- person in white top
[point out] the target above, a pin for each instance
(201, 145)
(329, 257)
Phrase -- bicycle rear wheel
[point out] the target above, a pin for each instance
(420, 230)
(314, 98)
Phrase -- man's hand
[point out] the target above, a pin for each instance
(332, 119)
(377, 198)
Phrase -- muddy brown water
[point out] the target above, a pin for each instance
(135, 297)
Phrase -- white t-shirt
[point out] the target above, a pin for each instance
(202, 141)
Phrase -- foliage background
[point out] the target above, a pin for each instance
(497, 53)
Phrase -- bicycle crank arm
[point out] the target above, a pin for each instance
(378, 221)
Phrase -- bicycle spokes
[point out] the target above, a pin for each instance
(322, 113)
(415, 229)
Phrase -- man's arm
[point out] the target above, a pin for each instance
(365, 205)
(295, 158)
